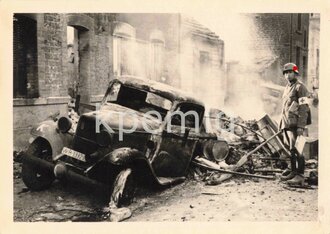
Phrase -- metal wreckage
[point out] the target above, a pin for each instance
(93, 149)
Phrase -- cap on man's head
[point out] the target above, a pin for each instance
(290, 67)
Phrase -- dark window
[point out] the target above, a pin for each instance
(304, 68)
(298, 57)
(221, 62)
(157, 50)
(299, 22)
(25, 62)
(126, 49)
(221, 56)
(204, 57)
(305, 39)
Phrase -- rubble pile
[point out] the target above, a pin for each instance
(255, 151)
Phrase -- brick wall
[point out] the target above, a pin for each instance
(102, 65)
(273, 34)
(53, 82)
(279, 33)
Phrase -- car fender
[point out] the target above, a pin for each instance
(124, 156)
(129, 157)
(48, 130)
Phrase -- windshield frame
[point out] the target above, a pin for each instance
(156, 94)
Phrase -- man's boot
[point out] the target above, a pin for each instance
(299, 178)
(293, 172)
(301, 164)
(290, 176)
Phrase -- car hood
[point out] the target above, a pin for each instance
(114, 115)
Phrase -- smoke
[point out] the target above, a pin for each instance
(133, 57)
(242, 83)
(234, 87)
(202, 73)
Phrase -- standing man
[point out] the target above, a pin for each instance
(295, 116)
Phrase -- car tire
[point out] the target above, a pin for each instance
(32, 176)
(123, 189)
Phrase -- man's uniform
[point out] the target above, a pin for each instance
(295, 115)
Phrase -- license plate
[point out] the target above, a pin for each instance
(74, 154)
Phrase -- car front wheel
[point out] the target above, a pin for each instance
(33, 177)
(123, 189)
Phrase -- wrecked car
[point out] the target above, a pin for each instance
(142, 133)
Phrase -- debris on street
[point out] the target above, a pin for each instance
(255, 150)
(252, 152)
(252, 158)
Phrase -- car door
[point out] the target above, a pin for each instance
(178, 140)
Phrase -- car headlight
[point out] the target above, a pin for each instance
(216, 150)
(64, 124)
(103, 138)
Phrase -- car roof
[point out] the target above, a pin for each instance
(161, 89)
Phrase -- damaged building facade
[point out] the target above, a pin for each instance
(276, 39)
(83, 52)
(286, 36)
(290, 38)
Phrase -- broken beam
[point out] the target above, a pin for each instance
(233, 172)
(268, 170)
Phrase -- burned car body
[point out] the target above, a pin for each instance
(125, 142)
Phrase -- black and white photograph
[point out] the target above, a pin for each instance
(174, 116)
